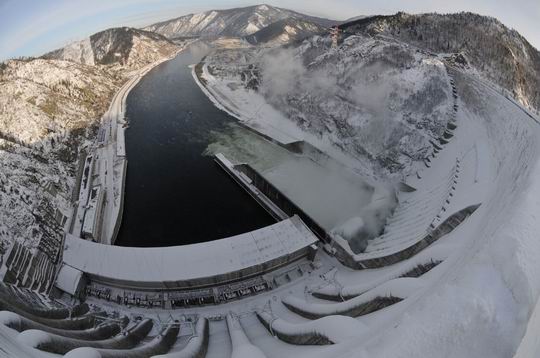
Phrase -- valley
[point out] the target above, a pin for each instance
(258, 182)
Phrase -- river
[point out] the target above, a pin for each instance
(175, 195)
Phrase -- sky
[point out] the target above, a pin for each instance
(33, 27)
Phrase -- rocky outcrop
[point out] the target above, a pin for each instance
(500, 54)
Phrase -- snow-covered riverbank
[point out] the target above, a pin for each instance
(488, 260)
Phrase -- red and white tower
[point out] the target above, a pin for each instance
(335, 32)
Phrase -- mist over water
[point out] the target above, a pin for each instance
(358, 98)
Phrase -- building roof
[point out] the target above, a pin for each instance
(68, 279)
(180, 263)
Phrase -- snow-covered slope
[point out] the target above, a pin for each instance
(500, 54)
(231, 22)
(40, 97)
(47, 108)
(127, 47)
(377, 100)
(285, 31)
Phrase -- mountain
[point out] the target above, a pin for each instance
(500, 54)
(237, 22)
(50, 108)
(124, 46)
(379, 101)
(285, 31)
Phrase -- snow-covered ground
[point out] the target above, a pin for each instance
(109, 156)
(342, 193)
(480, 299)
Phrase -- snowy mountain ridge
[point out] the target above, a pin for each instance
(126, 47)
(500, 54)
(237, 22)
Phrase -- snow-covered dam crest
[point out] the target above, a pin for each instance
(486, 159)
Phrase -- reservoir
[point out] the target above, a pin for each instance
(175, 195)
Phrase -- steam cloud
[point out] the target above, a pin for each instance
(355, 95)
(358, 230)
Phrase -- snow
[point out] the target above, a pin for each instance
(194, 345)
(10, 347)
(43, 104)
(32, 337)
(350, 103)
(68, 279)
(275, 126)
(49, 109)
(237, 22)
(360, 283)
(83, 353)
(481, 301)
(242, 348)
(480, 306)
(8, 317)
(399, 287)
(251, 28)
(80, 51)
(478, 301)
(530, 344)
(187, 262)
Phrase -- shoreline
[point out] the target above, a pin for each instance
(108, 169)
(213, 97)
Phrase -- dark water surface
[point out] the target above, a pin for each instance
(174, 195)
